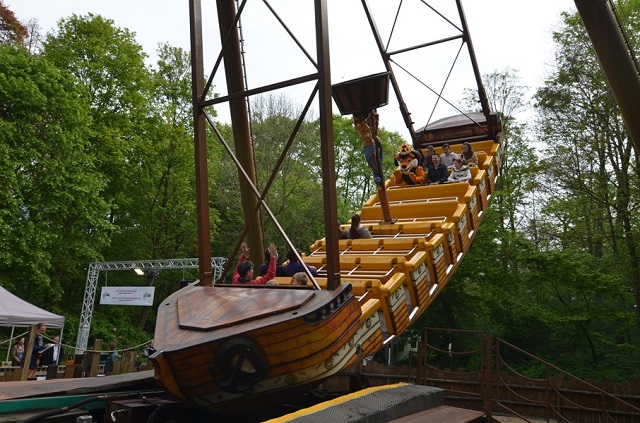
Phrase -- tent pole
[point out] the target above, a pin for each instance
(10, 341)
(61, 343)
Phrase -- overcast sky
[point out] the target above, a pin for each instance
(505, 33)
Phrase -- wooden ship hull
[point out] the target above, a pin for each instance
(240, 349)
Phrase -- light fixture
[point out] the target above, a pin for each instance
(139, 271)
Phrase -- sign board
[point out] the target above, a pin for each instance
(127, 295)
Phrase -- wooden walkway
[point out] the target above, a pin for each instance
(86, 385)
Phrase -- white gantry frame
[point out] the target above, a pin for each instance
(217, 265)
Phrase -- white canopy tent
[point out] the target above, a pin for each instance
(16, 312)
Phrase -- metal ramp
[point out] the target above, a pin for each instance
(397, 403)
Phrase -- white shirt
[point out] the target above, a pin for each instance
(448, 160)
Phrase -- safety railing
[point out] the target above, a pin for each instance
(479, 373)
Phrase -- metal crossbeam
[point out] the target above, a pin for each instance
(93, 273)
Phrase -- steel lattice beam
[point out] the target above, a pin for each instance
(93, 274)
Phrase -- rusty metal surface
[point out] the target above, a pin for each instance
(200, 144)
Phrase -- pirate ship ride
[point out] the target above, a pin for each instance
(234, 348)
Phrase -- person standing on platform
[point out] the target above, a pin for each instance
(38, 347)
(54, 354)
(17, 353)
(111, 358)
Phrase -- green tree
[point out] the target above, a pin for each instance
(594, 193)
(226, 214)
(51, 212)
(482, 290)
(294, 194)
(160, 217)
(110, 64)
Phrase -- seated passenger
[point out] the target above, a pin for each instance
(262, 270)
(448, 157)
(439, 173)
(460, 173)
(342, 234)
(409, 172)
(295, 266)
(244, 269)
(357, 230)
(468, 156)
(427, 162)
(299, 279)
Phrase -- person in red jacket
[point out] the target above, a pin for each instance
(244, 268)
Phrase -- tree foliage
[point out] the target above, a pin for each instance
(11, 30)
(52, 213)
(598, 177)
(110, 64)
(553, 269)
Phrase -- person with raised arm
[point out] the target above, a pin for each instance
(244, 269)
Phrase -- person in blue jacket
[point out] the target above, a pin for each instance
(294, 266)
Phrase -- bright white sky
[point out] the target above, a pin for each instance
(505, 33)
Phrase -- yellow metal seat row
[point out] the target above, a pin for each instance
(461, 191)
(491, 147)
(404, 229)
(436, 265)
(453, 211)
(479, 179)
(385, 278)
